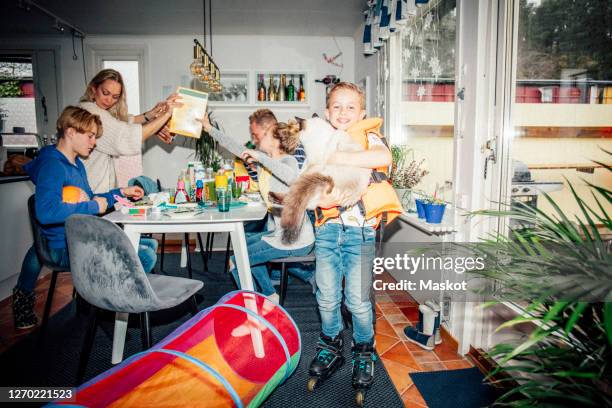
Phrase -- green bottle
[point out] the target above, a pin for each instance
(291, 90)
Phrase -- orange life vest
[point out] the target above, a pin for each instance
(380, 199)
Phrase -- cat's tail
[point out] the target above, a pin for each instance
(296, 200)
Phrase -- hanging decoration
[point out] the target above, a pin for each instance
(383, 17)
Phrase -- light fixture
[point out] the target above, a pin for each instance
(59, 23)
(203, 68)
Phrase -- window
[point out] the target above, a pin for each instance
(428, 93)
(130, 73)
(17, 103)
(562, 107)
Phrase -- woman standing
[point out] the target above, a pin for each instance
(119, 149)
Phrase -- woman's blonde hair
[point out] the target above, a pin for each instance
(119, 110)
(288, 134)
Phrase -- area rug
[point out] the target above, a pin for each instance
(454, 389)
(54, 363)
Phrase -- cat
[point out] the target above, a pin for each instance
(338, 185)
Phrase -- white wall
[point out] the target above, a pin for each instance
(168, 61)
(366, 66)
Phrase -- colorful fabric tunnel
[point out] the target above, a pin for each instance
(234, 353)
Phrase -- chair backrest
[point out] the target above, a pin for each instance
(40, 241)
(105, 268)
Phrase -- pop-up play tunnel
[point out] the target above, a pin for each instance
(234, 353)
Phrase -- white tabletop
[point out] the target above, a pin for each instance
(250, 212)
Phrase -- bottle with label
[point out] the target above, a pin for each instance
(291, 90)
(271, 90)
(181, 195)
(302, 91)
(282, 87)
(209, 183)
(261, 91)
(199, 191)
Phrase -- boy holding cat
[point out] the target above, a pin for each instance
(345, 245)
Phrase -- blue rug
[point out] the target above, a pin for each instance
(454, 389)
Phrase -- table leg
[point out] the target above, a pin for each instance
(241, 255)
(184, 249)
(121, 319)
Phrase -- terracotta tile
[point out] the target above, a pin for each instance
(411, 313)
(398, 373)
(384, 327)
(399, 329)
(445, 352)
(424, 356)
(412, 397)
(457, 364)
(406, 303)
(388, 307)
(384, 343)
(411, 346)
(400, 354)
(436, 366)
(396, 318)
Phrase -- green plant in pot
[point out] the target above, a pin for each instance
(560, 267)
(406, 173)
(206, 148)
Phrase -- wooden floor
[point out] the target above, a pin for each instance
(394, 311)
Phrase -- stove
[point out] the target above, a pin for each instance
(526, 190)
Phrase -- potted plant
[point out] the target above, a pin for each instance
(405, 174)
(10, 89)
(561, 268)
(206, 148)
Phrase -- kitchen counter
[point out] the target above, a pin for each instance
(13, 179)
(15, 234)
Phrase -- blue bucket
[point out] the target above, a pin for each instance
(434, 212)
(420, 207)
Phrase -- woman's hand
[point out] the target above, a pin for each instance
(157, 110)
(102, 204)
(165, 135)
(134, 192)
(249, 156)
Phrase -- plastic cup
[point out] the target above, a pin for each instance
(236, 190)
(224, 199)
(210, 191)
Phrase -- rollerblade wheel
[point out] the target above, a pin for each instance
(312, 383)
(360, 398)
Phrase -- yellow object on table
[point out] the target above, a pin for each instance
(220, 181)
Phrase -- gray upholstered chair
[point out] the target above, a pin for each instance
(107, 273)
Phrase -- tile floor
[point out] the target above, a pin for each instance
(394, 310)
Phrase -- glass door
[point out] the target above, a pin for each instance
(560, 104)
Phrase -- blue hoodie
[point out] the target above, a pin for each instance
(51, 171)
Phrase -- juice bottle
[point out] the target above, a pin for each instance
(181, 195)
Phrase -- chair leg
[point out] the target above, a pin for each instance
(283, 284)
(87, 343)
(145, 330)
(48, 303)
(189, 270)
(203, 252)
(227, 250)
(210, 239)
(193, 303)
(163, 251)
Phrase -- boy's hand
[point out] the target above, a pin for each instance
(102, 204)
(206, 123)
(134, 192)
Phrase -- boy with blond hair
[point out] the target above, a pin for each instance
(62, 189)
(345, 245)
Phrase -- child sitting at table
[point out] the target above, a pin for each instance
(62, 190)
(277, 168)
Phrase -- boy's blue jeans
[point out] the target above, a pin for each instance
(30, 268)
(260, 252)
(348, 252)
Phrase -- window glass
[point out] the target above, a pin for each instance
(129, 72)
(428, 94)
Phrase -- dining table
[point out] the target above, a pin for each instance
(199, 220)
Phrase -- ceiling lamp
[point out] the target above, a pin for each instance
(203, 68)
